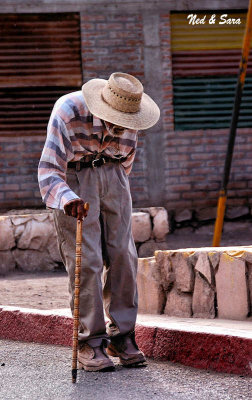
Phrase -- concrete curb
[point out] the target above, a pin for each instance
(159, 337)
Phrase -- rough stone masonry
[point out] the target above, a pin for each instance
(201, 283)
(28, 242)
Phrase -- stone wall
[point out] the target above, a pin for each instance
(199, 283)
(198, 219)
(29, 242)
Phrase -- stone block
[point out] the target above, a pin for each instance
(203, 266)
(41, 217)
(7, 262)
(151, 295)
(154, 210)
(203, 298)
(205, 214)
(182, 268)
(236, 212)
(207, 230)
(248, 255)
(147, 249)
(160, 224)
(250, 284)
(232, 291)
(19, 223)
(18, 230)
(167, 274)
(33, 260)
(237, 226)
(214, 257)
(193, 258)
(36, 235)
(141, 226)
(7, 239)
(178, 304)
(21, 219)
(183, 215)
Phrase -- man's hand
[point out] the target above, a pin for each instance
(76, 208)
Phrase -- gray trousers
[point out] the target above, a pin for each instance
(107, 241)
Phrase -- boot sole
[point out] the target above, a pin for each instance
(131, 363)
(100, 368)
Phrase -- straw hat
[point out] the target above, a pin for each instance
(121, 101)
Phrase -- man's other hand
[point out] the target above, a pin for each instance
(76, 208)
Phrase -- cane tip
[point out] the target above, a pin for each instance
(74, 375)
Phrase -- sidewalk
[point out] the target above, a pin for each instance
(36, 310)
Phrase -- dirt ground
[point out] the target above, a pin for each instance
(43, 290)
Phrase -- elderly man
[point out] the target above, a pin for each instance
(87, 157)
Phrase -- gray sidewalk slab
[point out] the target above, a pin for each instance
(31, 371)
(216, 326)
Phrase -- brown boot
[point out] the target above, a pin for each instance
(94, 358)
(126, 349)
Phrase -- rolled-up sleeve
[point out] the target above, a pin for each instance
(57, 152)
(128, 164)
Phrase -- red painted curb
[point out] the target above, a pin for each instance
(220, 353)
(145, 338)
(33, 327)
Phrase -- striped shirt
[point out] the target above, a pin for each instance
(73, 132)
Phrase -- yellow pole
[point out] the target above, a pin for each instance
(235, 115)
(220, 218)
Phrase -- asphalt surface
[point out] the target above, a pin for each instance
(39, 372)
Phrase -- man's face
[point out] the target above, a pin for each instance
(114, 129)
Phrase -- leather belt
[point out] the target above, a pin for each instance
(94, 163)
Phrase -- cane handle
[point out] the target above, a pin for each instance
(86, 206)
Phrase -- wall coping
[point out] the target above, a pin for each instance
(117, 6)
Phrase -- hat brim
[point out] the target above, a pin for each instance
(145, 118)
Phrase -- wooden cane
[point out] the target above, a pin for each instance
(77, 295)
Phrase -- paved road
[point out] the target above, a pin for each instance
(40, 372)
